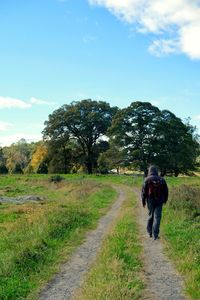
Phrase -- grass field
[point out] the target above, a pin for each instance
(35, 238)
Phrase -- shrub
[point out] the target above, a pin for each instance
(56, 178)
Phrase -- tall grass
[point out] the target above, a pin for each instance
(181, 226)
(187, 198)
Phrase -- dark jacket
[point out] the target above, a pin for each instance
(153, 175)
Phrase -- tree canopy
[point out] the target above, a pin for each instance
(85, 121)
(151, 136)
(92, 136)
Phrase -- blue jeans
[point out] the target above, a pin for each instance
(154, 218)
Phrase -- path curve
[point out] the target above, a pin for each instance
(163, 283)
(72, 273)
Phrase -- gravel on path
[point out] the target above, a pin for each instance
(64, 284)
(162, 281)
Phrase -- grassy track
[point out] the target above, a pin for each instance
(35, 237)
(116, 274)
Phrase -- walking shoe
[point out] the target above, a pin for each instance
(156, 238)
(150, 235)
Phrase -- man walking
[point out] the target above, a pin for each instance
(155, 194)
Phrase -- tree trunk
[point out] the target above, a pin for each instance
(176, 172)
(89, 160)
(65, 161)
(145, 172)
(163, 172)
(89, 167)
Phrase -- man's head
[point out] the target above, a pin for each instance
(152, 170)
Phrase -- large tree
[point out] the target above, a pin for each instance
(177, 145)
(135, 129)
(151, 136)
(85, 121)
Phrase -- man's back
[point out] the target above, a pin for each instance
(154, 193)
(154, 188)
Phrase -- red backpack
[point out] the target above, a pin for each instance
(155, 189)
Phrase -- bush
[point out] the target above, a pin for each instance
(56, 178)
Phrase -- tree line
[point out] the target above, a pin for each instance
(91, 136)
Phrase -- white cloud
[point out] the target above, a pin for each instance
(7, 102)
(190, 42)
(176, 22)
(40, 102)
(4, 126)
(10, 139)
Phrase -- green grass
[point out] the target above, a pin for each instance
(181, 228)
(36, 237)
(116, 274)
(176, 181)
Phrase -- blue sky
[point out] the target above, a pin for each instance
(53, 52)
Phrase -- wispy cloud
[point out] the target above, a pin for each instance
(7, 102)
(175, 22)
(164, 47)
(40, 102)
(4, 126)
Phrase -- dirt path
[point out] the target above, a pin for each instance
(72, 273)
(162, 281)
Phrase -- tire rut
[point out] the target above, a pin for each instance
(162, 281)
(64, 284)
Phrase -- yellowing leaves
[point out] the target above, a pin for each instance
(38, 156)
